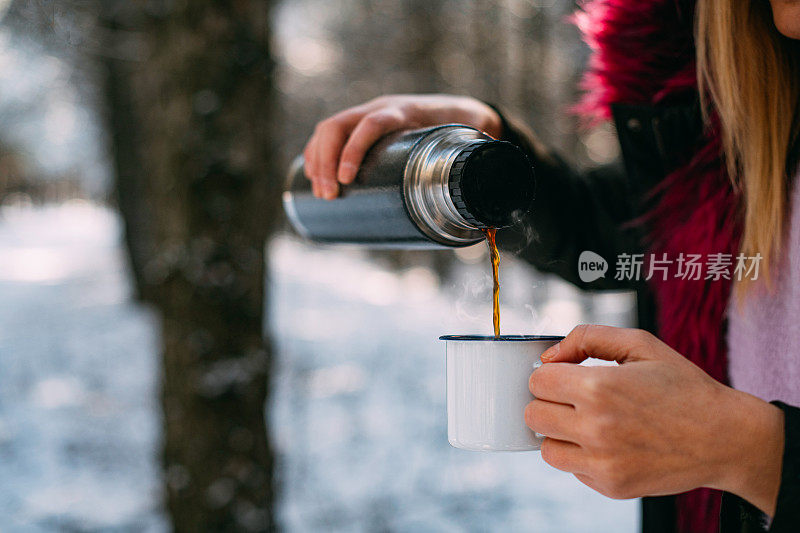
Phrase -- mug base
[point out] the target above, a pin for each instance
(478, 447)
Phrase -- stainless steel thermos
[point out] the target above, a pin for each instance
(429, 187)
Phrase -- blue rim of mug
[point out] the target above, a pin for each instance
(501, 338)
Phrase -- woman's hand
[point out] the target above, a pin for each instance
(335, 150)
(654, 425)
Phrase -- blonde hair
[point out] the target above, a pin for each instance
(748, 74)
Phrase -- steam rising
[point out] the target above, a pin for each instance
(540, 325)
(519, 236)
(475, 296)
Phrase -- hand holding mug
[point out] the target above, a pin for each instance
(654, 425)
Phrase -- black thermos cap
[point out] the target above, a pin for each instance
(490, 183)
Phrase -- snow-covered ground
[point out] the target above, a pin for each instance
(79, 415)
(358, 413)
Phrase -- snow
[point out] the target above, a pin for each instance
(358, 406)
(79, 417)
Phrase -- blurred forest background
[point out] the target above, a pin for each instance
(273, 395)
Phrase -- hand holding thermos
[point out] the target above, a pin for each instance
(408, 188)
(334, 152)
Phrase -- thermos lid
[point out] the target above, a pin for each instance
(489, 182)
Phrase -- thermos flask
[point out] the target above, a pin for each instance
(431, 187)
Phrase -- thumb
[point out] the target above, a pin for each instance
(601, 342)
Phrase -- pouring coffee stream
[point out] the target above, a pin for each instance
(494, 255)
(441, 187)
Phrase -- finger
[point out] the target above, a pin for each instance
(327, 186)
(310, 165)
(553, 420)
(309, 157)
(371, 128)
(326, 160)
(325, 144)
(557, 382)
(586, 480)
(562, 455)
(333, 133)
(601, 342)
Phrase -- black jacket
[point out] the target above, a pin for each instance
(576, 211)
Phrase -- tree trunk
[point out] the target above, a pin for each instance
(199, 101)
(129, 181)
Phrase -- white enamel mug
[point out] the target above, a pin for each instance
(487, 390)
